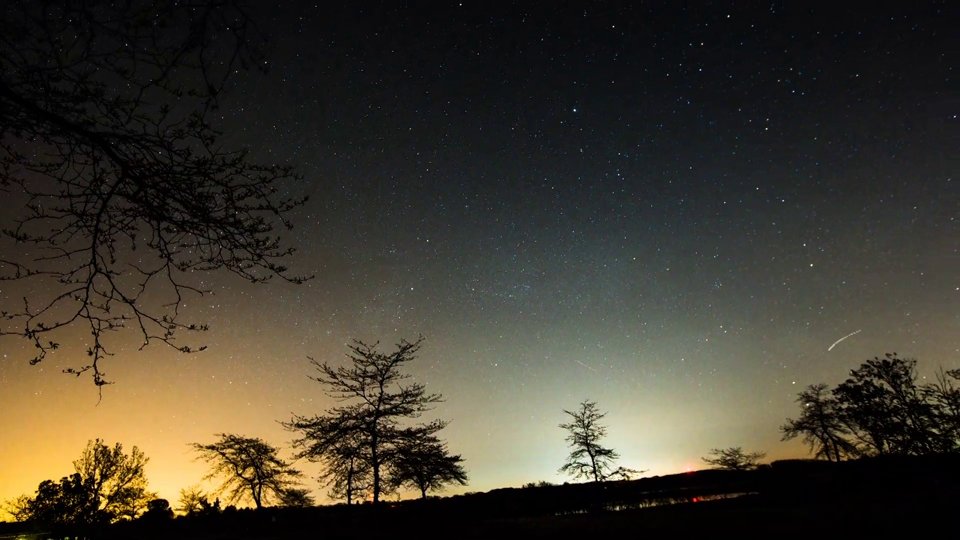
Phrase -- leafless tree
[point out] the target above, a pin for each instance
(250, 468)
(589, 459)
(377, 400)
(734, 459)
(19, 507)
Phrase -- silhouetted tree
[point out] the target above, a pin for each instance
(425, 463)
(540, 484)
(880, 409)
(189, 501)
(346, 471)
(108, 485)
(194, 501)
(945, 396)
(69, 504)
(108, 146)
(589, 459)
(884, 408)
(119, 482)
(249, 467)
(296, 498)
(734, 459)
(18, 507)
(158, 510)
(820, 425)
(376, 400)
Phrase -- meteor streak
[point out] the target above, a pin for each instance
(830, 348)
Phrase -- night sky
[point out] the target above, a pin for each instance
(671, 211)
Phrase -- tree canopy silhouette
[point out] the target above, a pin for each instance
(250, 468)
(346, 472)
(734, 458)
(880, 409)
(820, 425)
(108, 485)
(194, 501)
(589, 459)
(108, 143)
(68, 505)
(158, 511)
(885, 409)
(365, 440)
(119, 480)
(425, 463)
(294, 497)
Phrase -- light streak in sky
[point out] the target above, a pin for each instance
(584, 365)
(830, 348)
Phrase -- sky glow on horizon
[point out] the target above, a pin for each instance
(674, 212)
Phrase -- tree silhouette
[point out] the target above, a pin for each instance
(69, 504)
(108, 485)
(880, 409)
(376, 400)
(194, 501)
(108, 145)
(158, 510)
(944, 394)
(589, 459)
(296, 498)
(18, 507)
(119, 483)
(820, 425)
(734, 459)
(885, 409)
(425, 463)
(250, 468)
(346, 470)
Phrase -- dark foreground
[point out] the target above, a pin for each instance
(789, 499)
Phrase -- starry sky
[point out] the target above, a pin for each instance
(673, 211)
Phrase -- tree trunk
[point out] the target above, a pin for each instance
(350, 483)
(375, 464)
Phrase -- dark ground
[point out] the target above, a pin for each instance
(878, 498)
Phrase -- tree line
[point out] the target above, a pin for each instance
(880, 409)
(373, 443)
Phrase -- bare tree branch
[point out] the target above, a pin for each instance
(107, 138)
